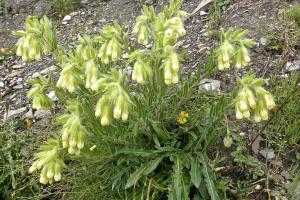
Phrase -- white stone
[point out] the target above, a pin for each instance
(67, 18)
(52, 96)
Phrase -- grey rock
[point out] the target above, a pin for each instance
(17, 87)
(67, 18)
(72, 14)
(47, 70)
(292, 66)
(41, 114)
(203, 13)
(268, 154)
(52, 96)
(210, 85)
(1, 84)
(35, 75)
(29, 114)
(263, 41)
(19, 103)
(17, 67)
(14, 113)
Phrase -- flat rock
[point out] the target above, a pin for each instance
(268, 154)
(14, 113)
(41, 114)
(210, 85)
(292, 66)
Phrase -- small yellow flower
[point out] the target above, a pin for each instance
(182, 118)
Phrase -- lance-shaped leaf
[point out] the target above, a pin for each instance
(143, 170)
(195, 172)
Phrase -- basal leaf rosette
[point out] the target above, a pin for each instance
(37, 39)
(50, 161)
(253, 98)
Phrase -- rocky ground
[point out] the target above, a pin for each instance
(260, 17)
(256, 16)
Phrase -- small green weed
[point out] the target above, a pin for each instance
(64, 7)
(215, 11)
(294, 14)
(284, 131)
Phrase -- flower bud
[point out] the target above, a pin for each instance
(43, 180)
(57, 177)
(269, 102)
(246, 114)
(175, 79)
(50, 173)
(264, 114)
(71, 150)
(239, 114)
(243, 106)
(257, 118)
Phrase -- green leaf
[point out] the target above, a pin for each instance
(177, 178)
(143, 170)
(135, 176)
(294, 190)
(195, 172)
(209, 182)
(152, 165)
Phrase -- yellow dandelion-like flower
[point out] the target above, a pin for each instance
(182, 118)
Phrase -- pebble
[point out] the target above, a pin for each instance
(52, 96)
(35, 75)
(67, 18)
(203, 13)
(17, 87)
(210, 85)
(292, 66)
(1, 84)
(47, 70)
(268, 154)
(16, 66)
(72, 14)
(41, 114)
(263, 41)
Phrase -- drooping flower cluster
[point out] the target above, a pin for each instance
(171, 66)
(37, 39)
(234, 49)
(174, 28)
(73, 134)
(70, 75)
(252, 96)
(141, 30)
(50, 161)
(115, 102)
(111, 38)
(40, 100)
(141, 69)
(87, 51)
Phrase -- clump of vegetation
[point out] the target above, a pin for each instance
(294, 14)
(146, 131)
(64, 7)
(216, 10)
(284, 130)
(16, 148)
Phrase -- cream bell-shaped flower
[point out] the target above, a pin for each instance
(50, 161)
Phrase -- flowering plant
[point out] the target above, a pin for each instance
(132, 117)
